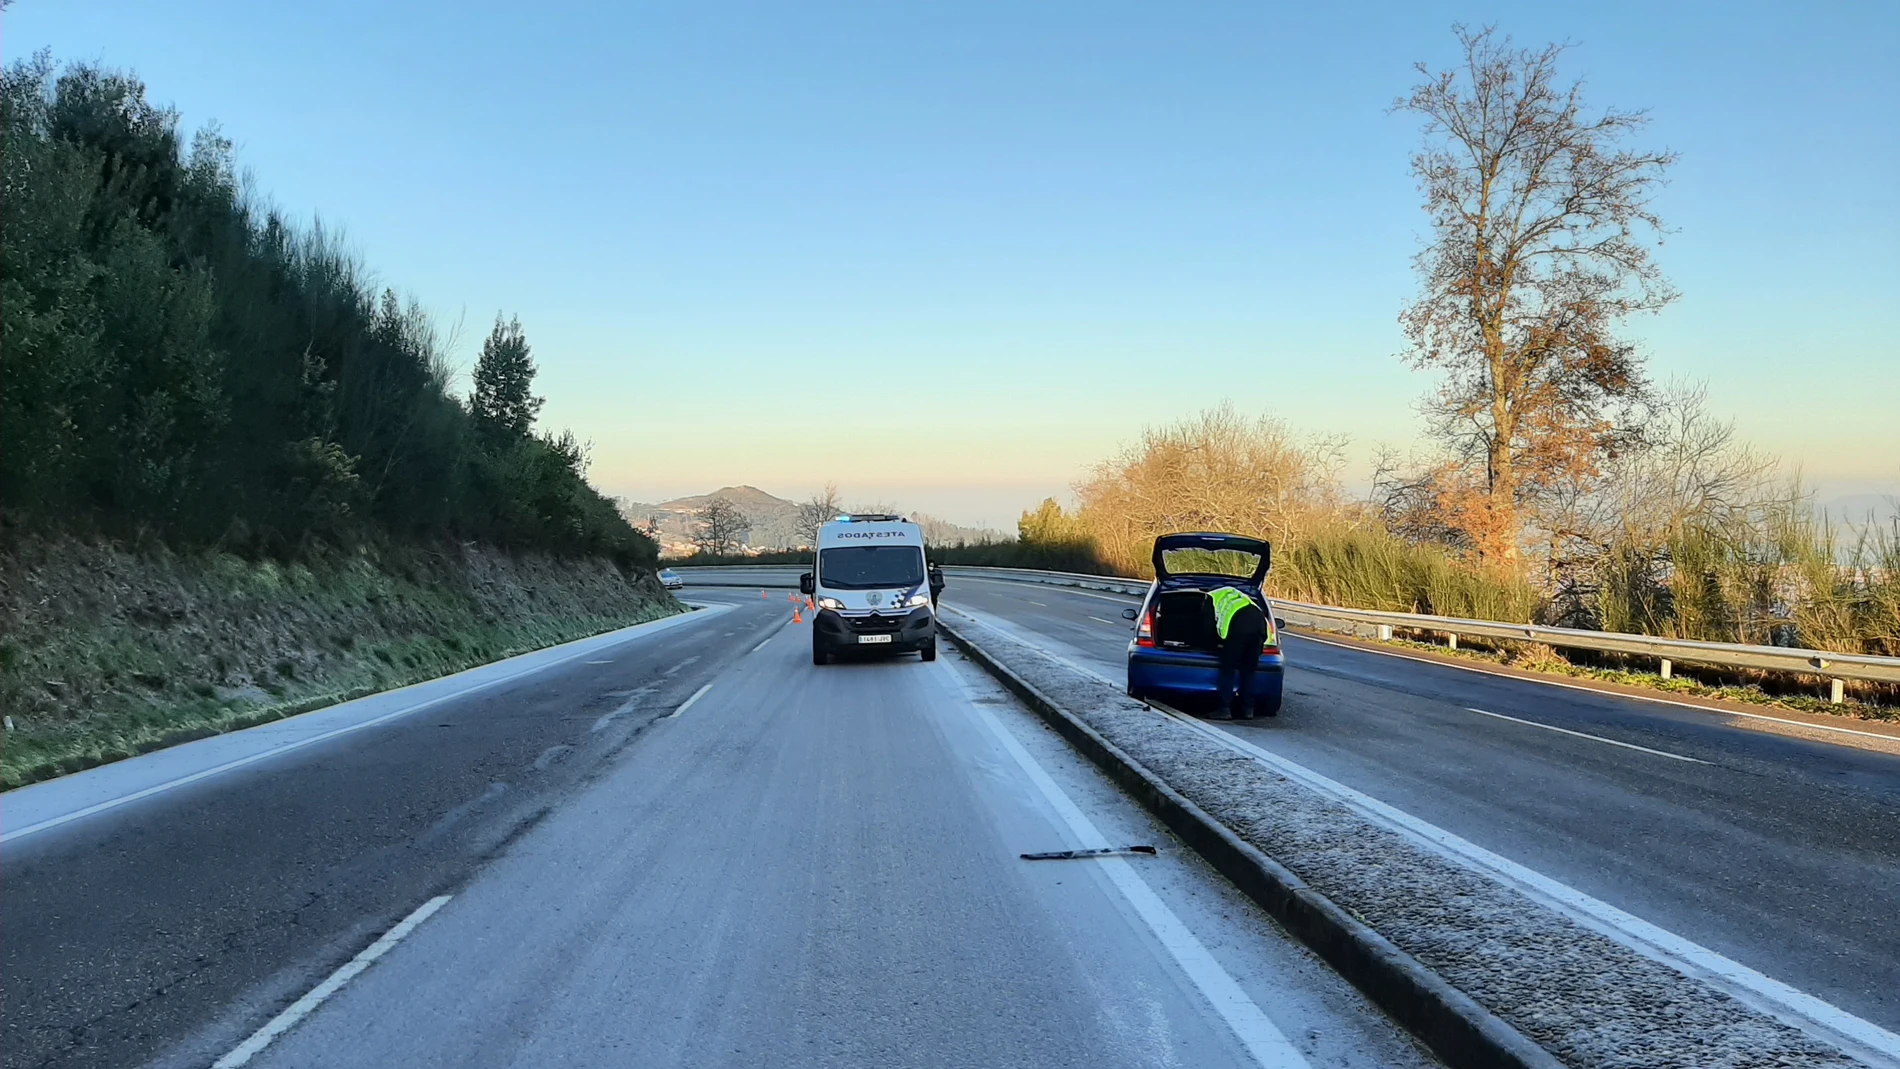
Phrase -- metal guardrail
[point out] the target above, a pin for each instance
(1371, 623)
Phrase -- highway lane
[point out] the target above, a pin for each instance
(804, 866)
(131, 930)
(819, 867)
(1780, 853)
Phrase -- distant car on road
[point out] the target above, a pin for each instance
(1176, 650)
(670, 579)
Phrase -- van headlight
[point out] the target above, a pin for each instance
(916, 600)
(831, 603)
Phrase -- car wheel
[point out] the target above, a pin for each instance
(928, 650)
(819, 655)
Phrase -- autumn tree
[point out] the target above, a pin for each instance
(719, 527)
(1540, 248)
(504, 377)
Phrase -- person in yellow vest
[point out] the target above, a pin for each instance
(1242, 627)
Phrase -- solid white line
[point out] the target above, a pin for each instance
(301, 1008)
(1269, 1047)
(763, 642)
(1794, 1007)
(1719, 711)
(688, 703)
(1592, 738)
(248, 759)
(599, 662)
(1019, 584)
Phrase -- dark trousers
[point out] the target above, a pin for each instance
(1240, 658)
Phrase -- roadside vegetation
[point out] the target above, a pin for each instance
(236, 478)
(1560, 484)
(183, 362)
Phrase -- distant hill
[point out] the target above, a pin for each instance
(774, 521)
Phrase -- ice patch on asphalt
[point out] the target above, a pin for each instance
(1590, 1001)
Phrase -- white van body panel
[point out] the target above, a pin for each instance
(839, 534)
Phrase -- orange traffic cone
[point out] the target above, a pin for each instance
(795, 617)
(810, 605)
(761, 595)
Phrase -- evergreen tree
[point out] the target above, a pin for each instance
(502, 398)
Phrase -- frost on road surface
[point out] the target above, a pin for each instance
(1586, 998)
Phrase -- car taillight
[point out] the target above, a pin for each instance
(1145, 630)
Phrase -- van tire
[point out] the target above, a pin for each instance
(819, 655)
(928, 651)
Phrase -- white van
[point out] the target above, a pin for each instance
(873, 589)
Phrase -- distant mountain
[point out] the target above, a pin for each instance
(774, 521)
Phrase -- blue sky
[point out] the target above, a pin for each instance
(949, 255)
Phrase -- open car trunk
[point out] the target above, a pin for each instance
(1184, 620)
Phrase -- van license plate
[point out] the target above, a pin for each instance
(873, 638)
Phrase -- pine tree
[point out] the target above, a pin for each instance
(502, 398)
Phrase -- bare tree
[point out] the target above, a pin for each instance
(1541, 224)
(815, 511)
(719, 527)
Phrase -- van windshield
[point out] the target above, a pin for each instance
(865, 567)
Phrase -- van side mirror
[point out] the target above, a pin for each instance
(805, 584)
(1129, 614)
(1279, 623)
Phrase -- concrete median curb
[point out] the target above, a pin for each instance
(1461, 1032)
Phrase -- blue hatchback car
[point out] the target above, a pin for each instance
(1176, 650)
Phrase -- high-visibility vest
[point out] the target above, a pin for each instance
(1227, 602)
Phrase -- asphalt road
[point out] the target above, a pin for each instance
(1780, 853)
(691, 847)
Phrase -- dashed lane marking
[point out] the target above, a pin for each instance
(688, 703)
(1583, 735)
(302, 1008)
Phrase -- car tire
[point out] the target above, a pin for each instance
(928, 651)
(819, 655)
(1137, 693)
(1267, 706)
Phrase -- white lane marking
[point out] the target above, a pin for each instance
(1037, 604)
(1796, 1008)
(625, 707)
(1583, 735)
(599, 662)
(1269, 1047)
(763, 642)
(301, 1008)
(275, 751)
(1099, 620)
(1018, 635)
(681, 664)
(1019, 584)
(1719, 711)
(688, 703)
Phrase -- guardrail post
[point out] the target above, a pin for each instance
(1837, 691)
(1385, 632)
(1667, 668)
(1451, 640)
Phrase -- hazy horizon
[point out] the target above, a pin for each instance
(760, 247)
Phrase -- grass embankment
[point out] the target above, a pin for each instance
(107, 652)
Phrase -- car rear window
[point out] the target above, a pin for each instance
(1230, 562)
